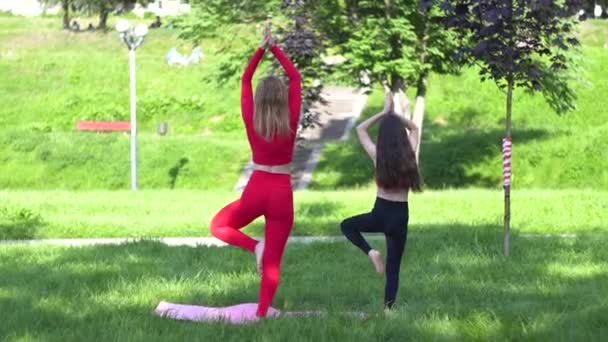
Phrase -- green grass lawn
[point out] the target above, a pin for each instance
(89, 161)
(53, 78)
(455, 286)
(66, 214)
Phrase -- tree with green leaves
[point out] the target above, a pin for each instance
(103, 7)
(222, 12)
(518, 43)
(305, 47)
(235, 18)
(397, 43)
(589, 7)
(65, 8)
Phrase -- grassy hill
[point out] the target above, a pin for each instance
(53, 78)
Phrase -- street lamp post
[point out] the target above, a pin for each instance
(133, 37)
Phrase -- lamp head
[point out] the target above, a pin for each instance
(141, 30)
(122, 26)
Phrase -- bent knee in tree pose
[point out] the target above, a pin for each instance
(397, 173)
(271, 121)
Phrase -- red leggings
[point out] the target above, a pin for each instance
(266, 194)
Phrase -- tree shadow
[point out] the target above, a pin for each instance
(74, 290)
(344, 164)
(454, 284)
(458, 271)
(447, 154)
(175, 170)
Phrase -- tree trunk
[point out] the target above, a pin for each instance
(400, 99)
(387, 8)
(421, 87)
(65, 6)
(418, 118)
(507, 218)
(510, 84)
(402, 103)
(103, 18)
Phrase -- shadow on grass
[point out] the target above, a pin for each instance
(99, 293)
(446, 154)
(175, 171)
(455, 278)
(454, 284)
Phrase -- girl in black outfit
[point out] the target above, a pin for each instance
(396, 174)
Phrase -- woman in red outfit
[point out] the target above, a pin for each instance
(271, 122)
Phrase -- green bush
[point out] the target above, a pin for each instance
(18, 223)
(149, 15)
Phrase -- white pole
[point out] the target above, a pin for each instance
(133, 121)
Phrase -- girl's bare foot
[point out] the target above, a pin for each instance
(259, 252)
(376, 259)
(389, 313)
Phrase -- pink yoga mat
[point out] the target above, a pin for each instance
(235, 314)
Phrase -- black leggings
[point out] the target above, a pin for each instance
(390, 218)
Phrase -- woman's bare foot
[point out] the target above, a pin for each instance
(376, 259)
(389, 313)
(259, 252)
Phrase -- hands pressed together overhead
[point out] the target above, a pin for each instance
(267, 39)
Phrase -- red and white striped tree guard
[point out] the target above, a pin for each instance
(506, 161)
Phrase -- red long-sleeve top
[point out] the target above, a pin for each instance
(278, 151)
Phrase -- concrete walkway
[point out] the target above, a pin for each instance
(344, 105)
(210, 241)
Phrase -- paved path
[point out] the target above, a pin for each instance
(344, 105)
(208, 241)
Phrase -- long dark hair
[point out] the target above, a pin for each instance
(396, 166)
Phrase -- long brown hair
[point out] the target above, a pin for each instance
(271, 116)
(396, 166)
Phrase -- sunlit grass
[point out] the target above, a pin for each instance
(455, 285)
(65, 214)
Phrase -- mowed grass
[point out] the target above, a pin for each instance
(455, 286)
(52, 78)
(73, 161)
(147, 213)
